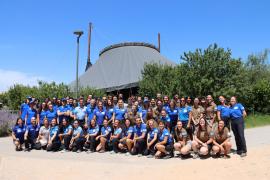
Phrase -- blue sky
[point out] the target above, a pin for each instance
(36, 39)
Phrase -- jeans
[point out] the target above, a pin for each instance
(238, 131)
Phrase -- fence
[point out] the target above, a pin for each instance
(7, 121)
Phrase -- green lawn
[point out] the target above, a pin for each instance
(257, 120)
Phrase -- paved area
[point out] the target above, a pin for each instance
(45, 165)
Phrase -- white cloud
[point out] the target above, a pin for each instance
(9, 78)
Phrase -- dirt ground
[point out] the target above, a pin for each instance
(43, 165)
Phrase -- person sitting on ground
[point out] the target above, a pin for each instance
(18, 134)
(182, 140)
(114, 139)
(126, 142)
(65, 135)
(151, 139)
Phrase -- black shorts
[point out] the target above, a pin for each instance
(169, 147)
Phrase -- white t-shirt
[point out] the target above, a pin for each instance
(44, 132)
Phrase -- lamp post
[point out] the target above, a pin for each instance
(78, 34)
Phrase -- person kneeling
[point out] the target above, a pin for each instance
(18, 134)
(44, 134)
(126, 142)
(114, 139)
(93, 130)
(139, 137)
(221, 140)
(165, 143)
(202, 139)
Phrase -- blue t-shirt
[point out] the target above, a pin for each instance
(77, 131)
(66, 129)
(183, 113)
(51, 115)
(63, 109)
(163, 134)
(30, 113)
(94, 130)
(152, 133)
(120, 113)
(144, 112)
(90, 113)
(139, 130)
(165, 119)
(33, 131)
(224, 111)
(173, 114)
(106, 130)
(19, 131)
(109, 113)
(100, 116)
(236, 111)
(117, 131)
(42, 115)
(128, 130)
(54, 130)
(166, 106)
(24, 109)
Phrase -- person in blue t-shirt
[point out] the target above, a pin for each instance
(92, 133)
(99, 114)
(223, 112)
(65, 134)
(31, 112)
(126, 141)
(151, 139)
(24, 108)
(166, 119)
(77, 140)
(164, 145)
(237, 115)
(139, 139)
(120, 112)
(63, 111)
(184, 112)
(109, 111)
(51, 113)
(115, 137)
(54, 141)
(104, 137)
(90, 110)
(42, 113)
(172, 112)
(31, 135)
(18, 134)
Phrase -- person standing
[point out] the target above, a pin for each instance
(223, 112)
(42, 112)
(237, 114)
(31, 112)
(24, 108)
(80, 113)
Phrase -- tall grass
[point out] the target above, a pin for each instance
(257, 120)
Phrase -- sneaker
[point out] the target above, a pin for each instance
(79, 151)
(101, 151)
(195, 156)
(150, 156)
(243, 155)
(62, 151)
(167, 157)
(127, 154)
(26, 150)
(139, 155)
(112, 152)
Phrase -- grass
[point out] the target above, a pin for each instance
(257, 120)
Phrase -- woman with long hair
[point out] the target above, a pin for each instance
(115, 137)
(109, 110)
(93, 131)
(164, 146)
(223, 112)
(172, 112)
(51, 113)
(184, 112)
(65, 135)
(42, 112)
(44, 134)
(221, 140)
(77, 140)
(151, 139)
(182, 141)
(54, 142)
(202, 142)
(104, 137)
(18, 134)
(126, 142)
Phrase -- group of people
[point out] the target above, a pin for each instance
(153, 127)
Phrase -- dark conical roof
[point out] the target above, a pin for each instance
(119, 66)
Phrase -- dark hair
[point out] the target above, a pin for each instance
(19, 118)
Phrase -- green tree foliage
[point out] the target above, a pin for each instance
(17, 94)
(212, 71)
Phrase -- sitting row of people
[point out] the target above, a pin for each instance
(151, 139)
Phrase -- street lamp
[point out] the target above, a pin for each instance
(78, 34)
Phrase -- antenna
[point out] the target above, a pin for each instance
(89, 64)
